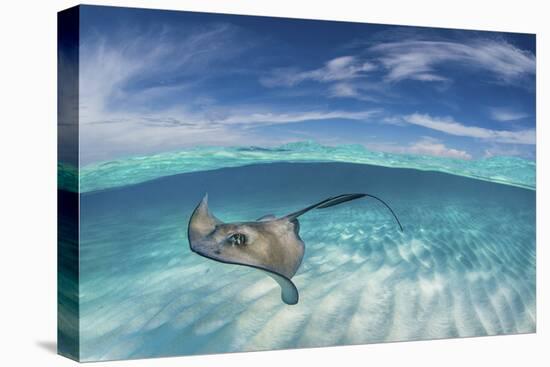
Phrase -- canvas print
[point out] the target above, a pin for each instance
(232, 183)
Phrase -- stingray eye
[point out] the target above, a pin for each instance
(237, 239)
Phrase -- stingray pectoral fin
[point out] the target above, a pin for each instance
(266, 218)
(201, 223)
(289, 292)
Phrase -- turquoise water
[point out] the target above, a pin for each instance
(463, 266)
(97, 176)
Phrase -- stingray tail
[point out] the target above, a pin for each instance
(335, 200)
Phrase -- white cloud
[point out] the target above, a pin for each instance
(414, 60)
(146, 134)
(232, 117)
(425, 146)
(284, 118)
(449, 126)
(504, 114)
(338, 69)
(438, 149)
(419, 60)
(344, 90)
(116, 119)
(106, 68)
(495, 151)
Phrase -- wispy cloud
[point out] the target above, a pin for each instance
(344, 77)
(422, 60)
(338, 69)
(109, 71)
(424, 146)
(285, 118)
(365, 75)
(344, 90)
(146, 90)
(151, 133)
(449, 126)
(128, 101)
(505, 114)
(370, 92)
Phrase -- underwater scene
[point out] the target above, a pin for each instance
(464, 264)
(232, 183)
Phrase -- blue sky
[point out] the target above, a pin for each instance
(153, 81)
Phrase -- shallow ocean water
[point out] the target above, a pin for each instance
(464, 265)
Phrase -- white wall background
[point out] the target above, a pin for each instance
(28, 181)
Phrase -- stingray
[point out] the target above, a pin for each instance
(269, 244)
